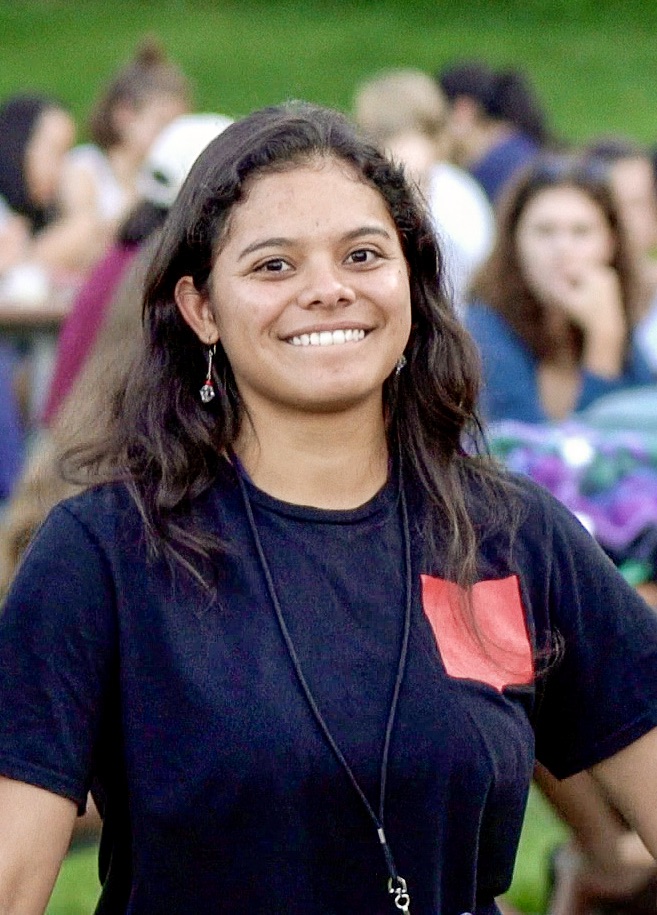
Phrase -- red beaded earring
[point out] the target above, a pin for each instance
(208, 392)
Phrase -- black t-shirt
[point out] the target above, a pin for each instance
(181, 710)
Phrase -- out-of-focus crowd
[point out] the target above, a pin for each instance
(549, 253)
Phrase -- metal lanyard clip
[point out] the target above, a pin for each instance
(397, 888)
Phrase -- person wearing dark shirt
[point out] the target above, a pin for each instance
(299, 642)
(496, 123)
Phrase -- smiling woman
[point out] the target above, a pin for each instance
(294, 639)
(312, 321)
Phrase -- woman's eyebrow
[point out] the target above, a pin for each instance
(366, 230)
(280, 241)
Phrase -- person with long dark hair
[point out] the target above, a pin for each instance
(36, 132)
(552, 308)
(300, 643)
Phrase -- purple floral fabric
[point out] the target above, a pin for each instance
(607, 478)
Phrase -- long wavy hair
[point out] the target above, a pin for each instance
(168, 446)
(501, 282)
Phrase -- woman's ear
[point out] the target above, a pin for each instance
(196, 309)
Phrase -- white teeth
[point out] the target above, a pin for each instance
(328, 337)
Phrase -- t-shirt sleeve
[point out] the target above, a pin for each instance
(57, 654)
(600, 695)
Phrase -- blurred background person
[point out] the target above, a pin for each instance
(552, 308)
(160, 177)
(405, 113)
(11, 428)
(36, 244)
(495, 120)
(630, 173)
(99, 184)
(36, 133)
(101, 333)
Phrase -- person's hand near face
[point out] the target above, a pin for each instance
(565, 248)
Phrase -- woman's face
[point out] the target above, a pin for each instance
(561, 234)
(51, 139)
(139, 125)
(310, 292)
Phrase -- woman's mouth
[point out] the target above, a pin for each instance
(328, 337)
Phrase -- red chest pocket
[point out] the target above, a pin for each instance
(502, 654)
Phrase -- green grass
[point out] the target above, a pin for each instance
(541, 833)
(77, 888)
(593, 64)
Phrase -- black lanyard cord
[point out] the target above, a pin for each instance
(395, 883)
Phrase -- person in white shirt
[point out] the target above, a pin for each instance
(403, 111)
(100, 178)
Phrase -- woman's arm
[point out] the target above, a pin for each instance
(74, 242)
(630, 779)
(606, 859)
(35, 831)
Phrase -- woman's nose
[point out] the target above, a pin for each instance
(325, 286)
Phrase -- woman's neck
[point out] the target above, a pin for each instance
(333, 461)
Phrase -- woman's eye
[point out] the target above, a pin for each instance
(274, 265)
(362, 256)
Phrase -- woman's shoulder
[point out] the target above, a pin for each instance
(103, 510)
(481, 316)
(90, 164)
(87, 155)
(452, 187)
(111, 515)
(500, 345)
(509, 506)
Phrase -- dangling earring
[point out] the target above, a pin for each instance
(401, 362)
(208, 392)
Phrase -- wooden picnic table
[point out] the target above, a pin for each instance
(21, 319)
